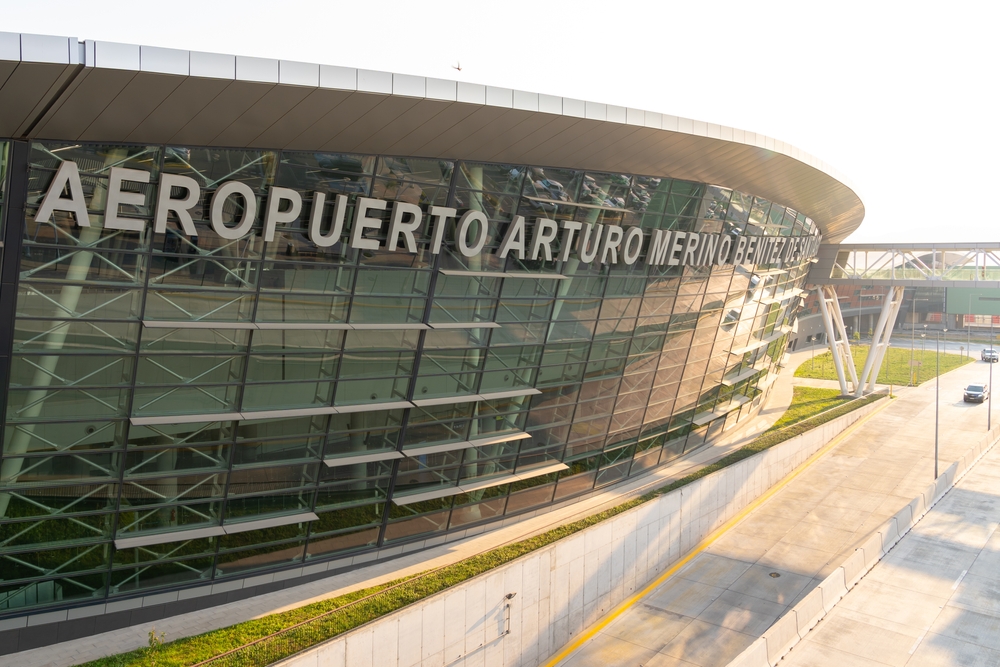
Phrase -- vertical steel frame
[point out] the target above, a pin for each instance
(13, 233)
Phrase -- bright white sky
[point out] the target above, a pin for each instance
(900, 97)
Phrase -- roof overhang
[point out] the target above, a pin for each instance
(59, 88)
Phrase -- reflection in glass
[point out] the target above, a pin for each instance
(126, 342)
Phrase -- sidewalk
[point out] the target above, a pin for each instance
(732, 592)
(934, 600)
(197, 622)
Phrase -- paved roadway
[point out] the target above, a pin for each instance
(729, 594)
(934, 601)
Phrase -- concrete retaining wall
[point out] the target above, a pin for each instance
(788, 630)
(563, 588)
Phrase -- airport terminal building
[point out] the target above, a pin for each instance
(264, 321)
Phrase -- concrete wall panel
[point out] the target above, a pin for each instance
(781, 636)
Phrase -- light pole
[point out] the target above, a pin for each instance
(968, 331)
(989, 408)
(937, 394)
(922, 337)
(888, 369)
(913, 331)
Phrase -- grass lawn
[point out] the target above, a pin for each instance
(810, 407)
(808, 402)
(895, 366)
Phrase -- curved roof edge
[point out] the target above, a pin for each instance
(60, 88)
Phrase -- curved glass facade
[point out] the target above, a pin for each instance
(191, 407)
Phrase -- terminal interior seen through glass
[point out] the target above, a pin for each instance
(422, 393)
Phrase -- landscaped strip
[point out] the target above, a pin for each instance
(896, 365)
(808, 402)
(263, 641)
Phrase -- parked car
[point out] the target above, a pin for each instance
(976, 393)
(989, 355)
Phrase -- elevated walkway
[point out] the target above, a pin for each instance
(895, 266)
(908, 265)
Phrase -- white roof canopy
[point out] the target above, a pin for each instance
(59, 88)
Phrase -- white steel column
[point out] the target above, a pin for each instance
(847, 357)
(833, 322)
(880, 339)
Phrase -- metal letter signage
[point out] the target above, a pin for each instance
(545, 239)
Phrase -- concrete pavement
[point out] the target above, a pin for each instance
(729, 594)
(934, 600)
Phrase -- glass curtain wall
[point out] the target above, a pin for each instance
(190, 408)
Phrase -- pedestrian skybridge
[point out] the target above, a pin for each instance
(895, 266)
(908, 265)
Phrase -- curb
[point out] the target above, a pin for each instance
(791, 628)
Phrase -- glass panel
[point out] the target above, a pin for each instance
(67, 560)
(178, 459)
(239, 562)
(357, 364)
(389, 390)
(493, 177)
(62, 500)
(75, 336)
(63, 436)
(287, 395)
(62, 403)
(55, 265)
(77, 588)
(348, 540)
(184, 400)
(481, 511)
(94, 162)
(533, 497)
(254, 507)
(204, 272)
(259, 480)
(167, 519)
(416, 169)
(181, 488)
(386, 310)
(301, 308)
(197, 306)
(77, 302)
(50, 532)
(310, 278)
(285, 449)
(353, 490)
(287, 367)
(161, 575)
(195, 340)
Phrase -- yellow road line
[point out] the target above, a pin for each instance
(707, 542)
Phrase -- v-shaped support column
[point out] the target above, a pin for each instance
(880, 340)
(836, 334)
